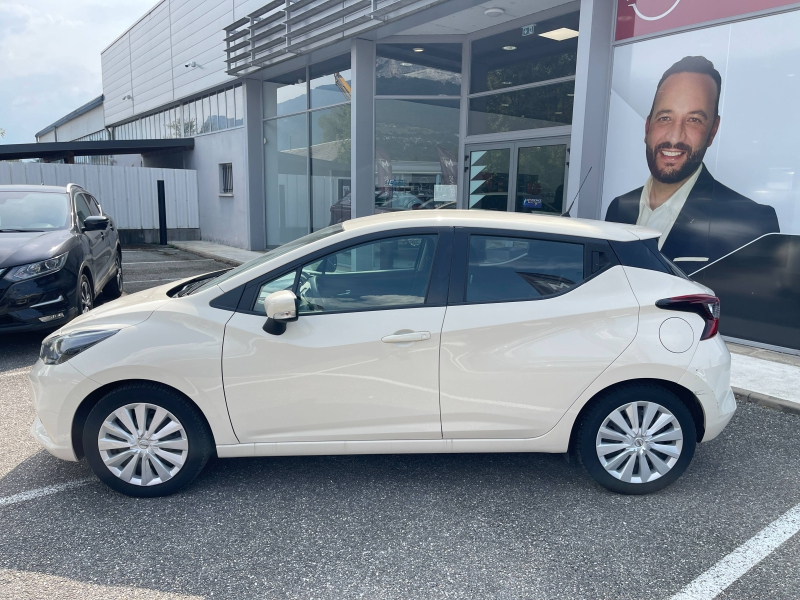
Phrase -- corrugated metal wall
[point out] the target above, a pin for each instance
(128, 194)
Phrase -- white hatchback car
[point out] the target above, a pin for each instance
(454, 332)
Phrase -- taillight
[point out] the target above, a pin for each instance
(701, 304)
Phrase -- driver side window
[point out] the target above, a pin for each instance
(392, 272)
(284, 282)
(82, 208)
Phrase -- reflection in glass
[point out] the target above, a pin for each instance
(416, 145)
(435, 71)
(230, 107)
(239, 100)
(540, 179)
(330, 82)
(286, 155)
(330, 166)
(508, 269)
(207, 115)
(392, 272)
(533, 108)
(222, 119)
(214, 119)
(488, 179)
(533, 59)
(285, 95)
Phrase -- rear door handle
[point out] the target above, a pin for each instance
(404, 338)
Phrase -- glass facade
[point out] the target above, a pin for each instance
(214, 112)
(307, 149)
(524, 79)
(417, 113)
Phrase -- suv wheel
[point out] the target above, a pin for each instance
(144, 440)
(85, 295)
(637, 439)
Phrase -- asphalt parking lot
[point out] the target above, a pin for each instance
(405, 526)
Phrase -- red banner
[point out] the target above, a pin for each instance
(641, 17)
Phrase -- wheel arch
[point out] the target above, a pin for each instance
(88, 403)
(685, 395)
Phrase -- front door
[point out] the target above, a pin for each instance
(362, 360)
(518, 176)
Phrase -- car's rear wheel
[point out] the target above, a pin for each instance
(637, 439)
(115, 285)
(144, 440)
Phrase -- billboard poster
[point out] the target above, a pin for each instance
(702, 146)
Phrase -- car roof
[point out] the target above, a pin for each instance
(58, 189)
(553, 224)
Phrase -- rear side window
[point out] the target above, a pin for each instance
(645, 255)
(505, 269)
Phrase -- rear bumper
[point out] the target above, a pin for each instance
(709, 378)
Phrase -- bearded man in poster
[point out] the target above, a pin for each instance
(700, 219)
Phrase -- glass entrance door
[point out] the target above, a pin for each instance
(525, 176)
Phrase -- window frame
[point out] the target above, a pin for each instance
(461, 244)
(437, 285)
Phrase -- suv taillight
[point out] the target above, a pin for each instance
(701, 304)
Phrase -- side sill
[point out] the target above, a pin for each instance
(445, 446)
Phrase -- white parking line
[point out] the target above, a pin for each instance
(714, 581)
(45, 491)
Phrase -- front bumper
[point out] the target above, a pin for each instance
(44, 302)
(57, 392)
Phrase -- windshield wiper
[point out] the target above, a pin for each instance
(20, 230)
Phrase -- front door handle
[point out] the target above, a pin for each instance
(404, 338)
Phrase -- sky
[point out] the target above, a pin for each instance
(50, 58)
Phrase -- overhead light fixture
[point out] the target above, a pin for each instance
(419, 49)
(494, 12)
(560, 35)
(404, 64)
(509, 47)
(506, 82)
(571, 95)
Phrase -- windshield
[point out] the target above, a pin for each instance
(33, 211)
(279, 251)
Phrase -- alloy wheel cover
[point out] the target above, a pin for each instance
(86, 296)
(143, 444)
(639, 442)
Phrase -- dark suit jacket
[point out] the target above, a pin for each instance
(714, 221)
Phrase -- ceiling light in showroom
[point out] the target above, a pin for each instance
(494, 12)
(560, 34)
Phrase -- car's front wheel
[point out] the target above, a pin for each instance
(144, 440)
(637, 439)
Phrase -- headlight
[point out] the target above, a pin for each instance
(43, 267)
(60, 348)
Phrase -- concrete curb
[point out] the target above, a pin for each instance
(780, 404)
(216, 257)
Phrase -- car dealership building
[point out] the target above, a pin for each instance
(308, 112)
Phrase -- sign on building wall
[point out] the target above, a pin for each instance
(702, 146)
(643, 17)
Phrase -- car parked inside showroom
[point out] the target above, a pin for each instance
(411, 332)
(58, 251)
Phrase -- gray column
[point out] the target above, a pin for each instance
(590, 115)
(254, 157)
(362, 127)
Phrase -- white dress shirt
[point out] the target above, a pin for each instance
(663, 218)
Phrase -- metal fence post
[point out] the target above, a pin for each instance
(162, 213)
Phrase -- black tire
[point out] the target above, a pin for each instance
(196, 430)
(603, 407)
(84, 295)
(114, 287)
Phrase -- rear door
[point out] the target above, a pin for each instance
(532, 320)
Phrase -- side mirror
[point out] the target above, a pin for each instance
(281, 308)
(95, 223)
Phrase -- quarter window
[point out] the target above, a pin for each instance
(388, 273)
(82, 208)
(505, 269)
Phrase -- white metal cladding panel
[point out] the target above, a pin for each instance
(212, 76)
(116, 66)
(242, 8)
(128, 194)
(151, 66)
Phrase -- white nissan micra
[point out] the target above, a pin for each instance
(414, 332)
